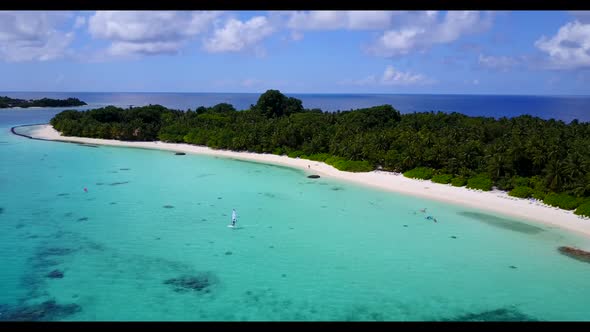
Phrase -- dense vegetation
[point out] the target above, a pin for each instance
(6, 102)
(547, 156)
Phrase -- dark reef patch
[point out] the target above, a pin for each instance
(498, 315)
(575, 253)
(54, 251)
(197, 283)
(46, 311)
(118, 183)
(228, 253)
(87, 145)
(168, 206)
(124, 169)
(1, 210)
(83, 219)
(113, 203)
(42, 263)
(180, 154)
(313, 176)
(99, 183)
(512, 225)
(63, 194)
(55, 274)
(337, 188)
(286, 168)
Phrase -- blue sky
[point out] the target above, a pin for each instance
(475, 52)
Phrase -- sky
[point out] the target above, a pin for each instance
(405, 52)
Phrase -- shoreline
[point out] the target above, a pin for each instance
(492, 201)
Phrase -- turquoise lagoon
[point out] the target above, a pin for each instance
(306, 249)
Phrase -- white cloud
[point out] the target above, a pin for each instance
(33, 36)
(250, 82)
(332, 20)
(424, 29)
(80, 22)
(582, 15)
(296, 36)
(148, 32)
(475, 82)
(391, 76)
(148, 48)
(569, 48)
(236, 35)
(502, 63)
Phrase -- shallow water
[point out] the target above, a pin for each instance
(149, 241)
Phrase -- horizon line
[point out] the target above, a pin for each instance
(314, 93)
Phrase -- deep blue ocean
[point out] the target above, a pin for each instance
(566, 108)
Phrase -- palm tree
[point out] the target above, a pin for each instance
(555, 174)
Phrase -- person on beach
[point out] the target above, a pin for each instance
(233, 218)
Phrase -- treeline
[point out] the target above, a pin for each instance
(528, 156)
(6, 102)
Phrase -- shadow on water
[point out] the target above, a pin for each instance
(510, 314)
(512, 225)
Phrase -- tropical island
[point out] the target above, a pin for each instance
(7, 102)
(543, 160)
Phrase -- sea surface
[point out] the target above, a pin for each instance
(148, 240)
(565, 108)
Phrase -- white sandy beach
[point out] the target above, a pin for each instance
(494, 201)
